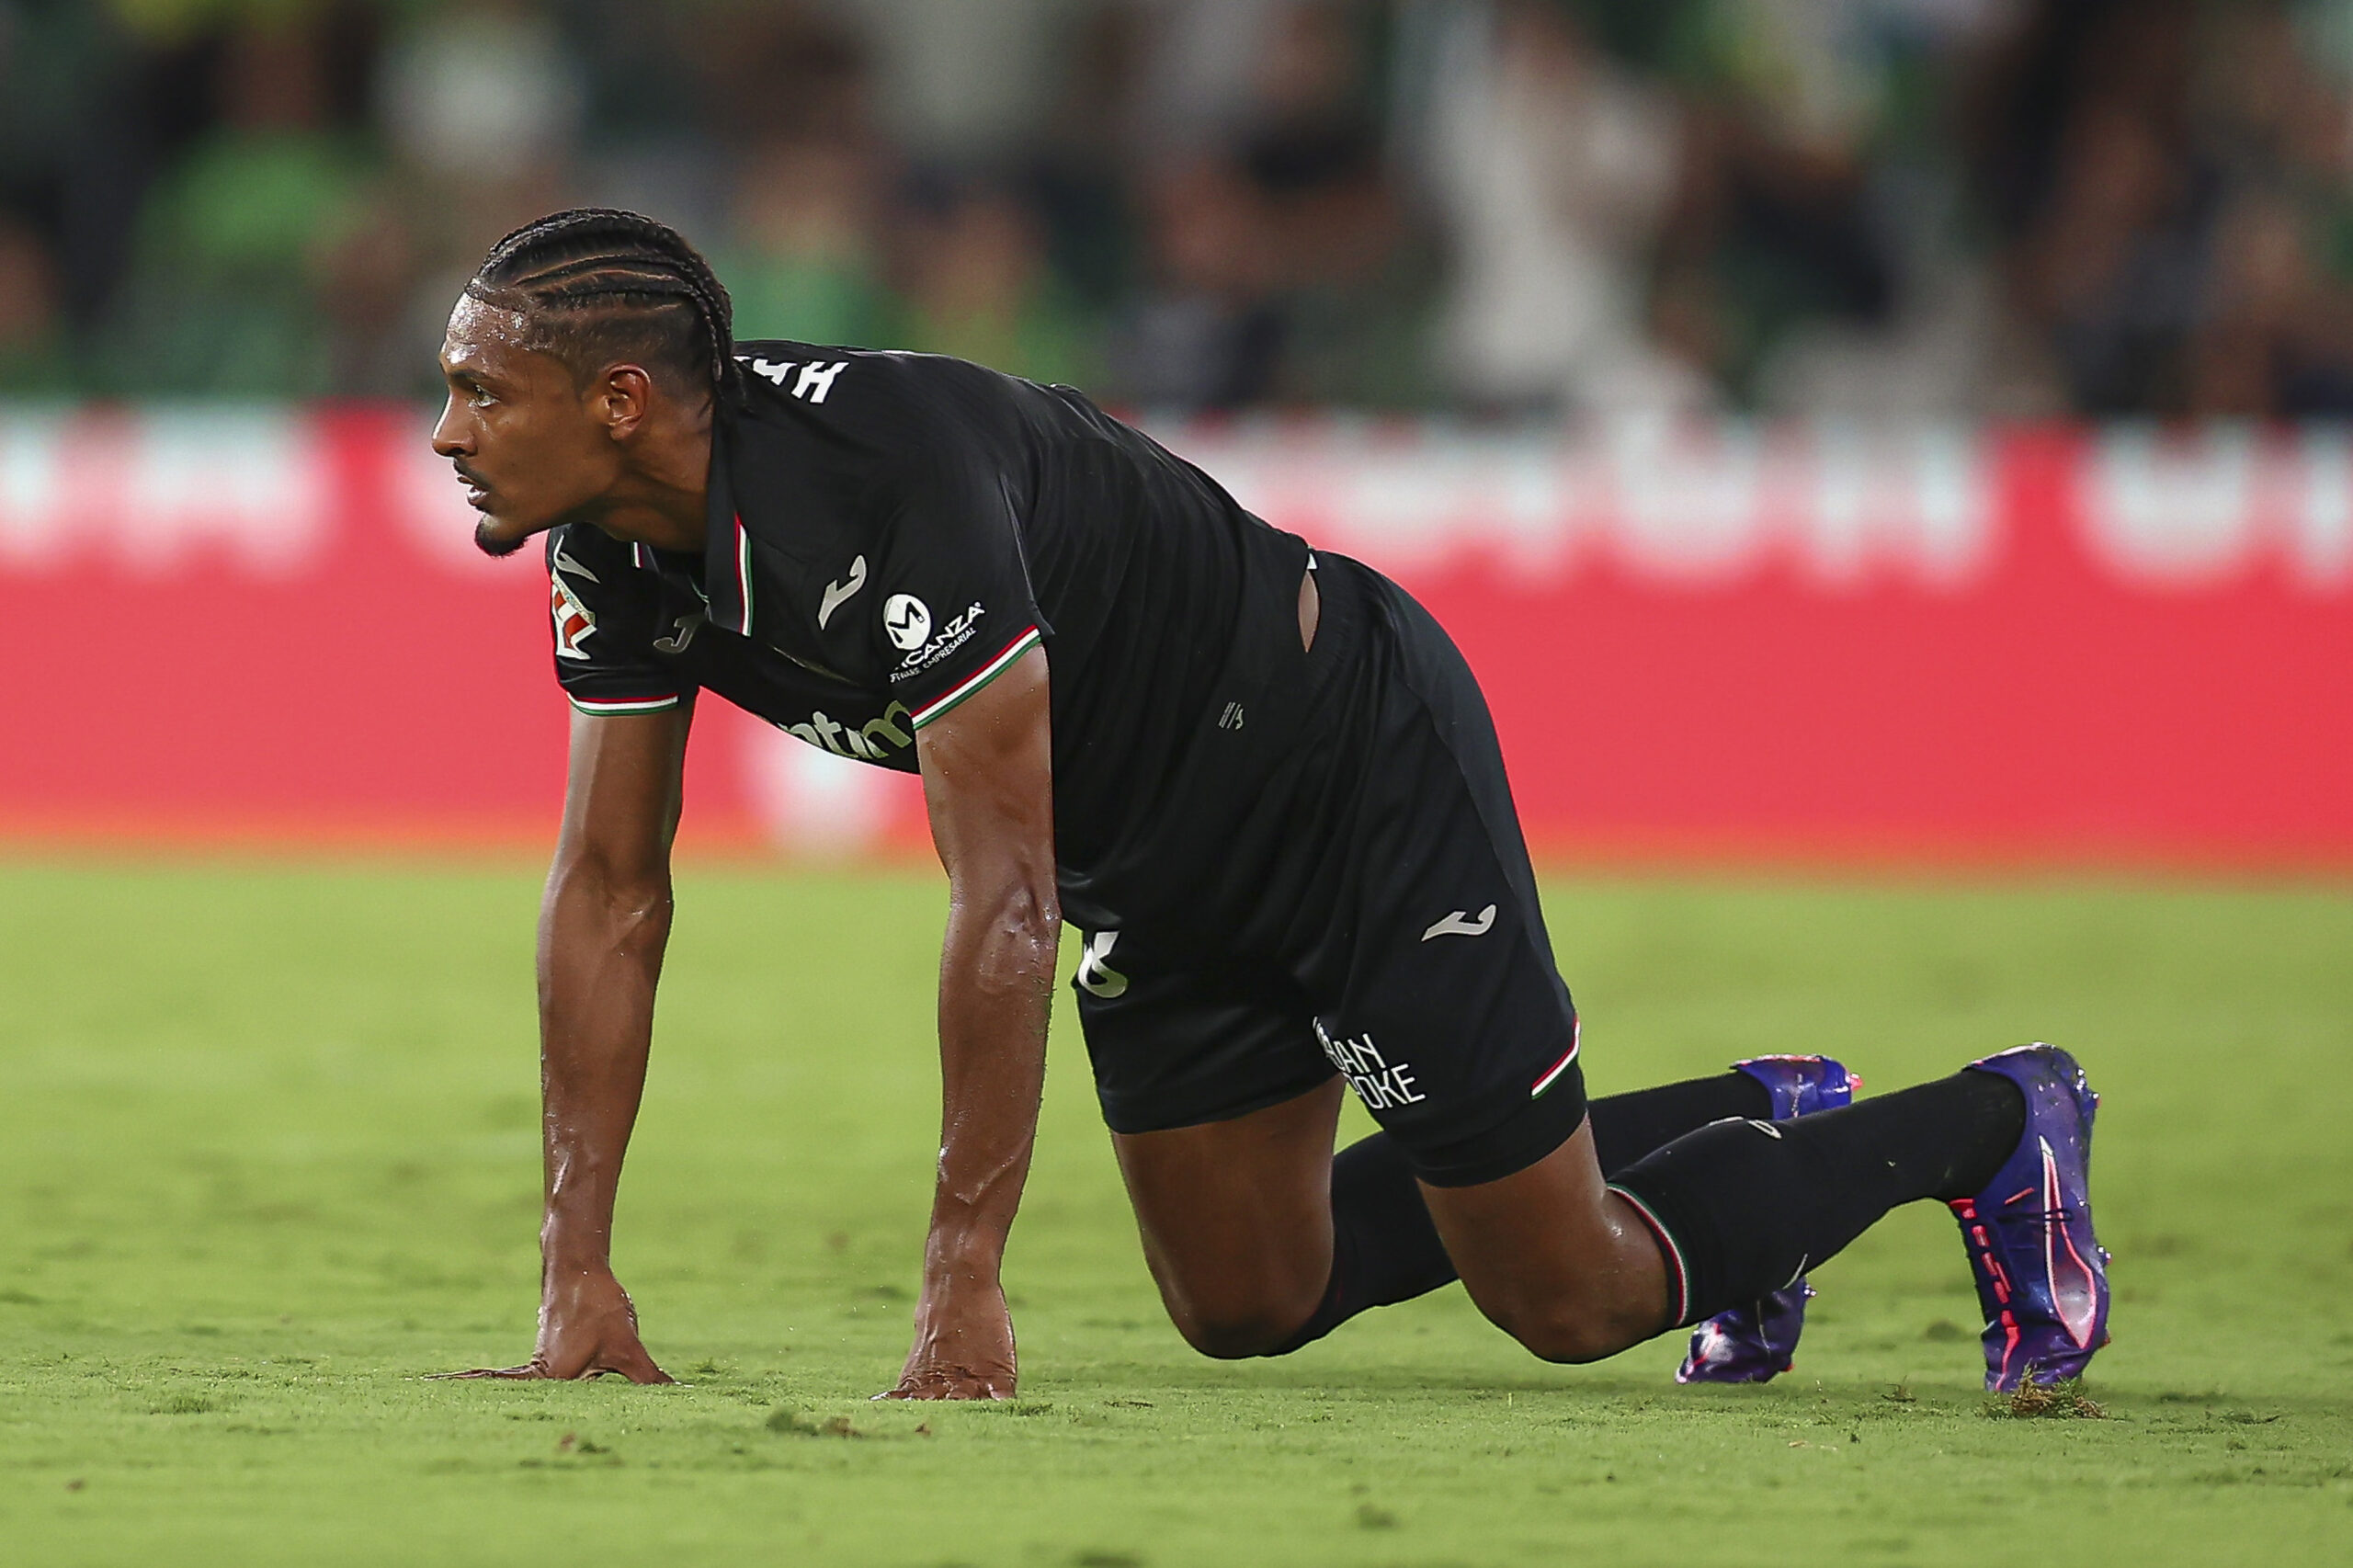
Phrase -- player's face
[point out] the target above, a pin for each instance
(524, 436)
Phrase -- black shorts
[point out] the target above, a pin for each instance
(1378, 919)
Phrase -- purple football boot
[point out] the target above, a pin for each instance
(2041, 1278)
(1753, 1343)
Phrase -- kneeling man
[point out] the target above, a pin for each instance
(1259, 780)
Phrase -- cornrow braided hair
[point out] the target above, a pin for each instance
(596, 286)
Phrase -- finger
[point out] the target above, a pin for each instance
(638, 1370)
(527, 1372)
(627, 1359)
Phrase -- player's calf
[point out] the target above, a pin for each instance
(1743, 1208)
(1759, 1341)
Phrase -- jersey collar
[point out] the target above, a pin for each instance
(727, 546)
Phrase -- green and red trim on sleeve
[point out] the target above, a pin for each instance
(614, 704)
(972, 683)
(743, 556)
(1576, 1038)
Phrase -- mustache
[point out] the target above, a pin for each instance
(486, 540)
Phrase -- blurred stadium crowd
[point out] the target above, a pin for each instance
(1968, 208)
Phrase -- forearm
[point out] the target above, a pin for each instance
(601, 943)
(996, 985)
(988, 787)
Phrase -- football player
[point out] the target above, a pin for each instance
(1259, 778)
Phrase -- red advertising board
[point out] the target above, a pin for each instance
(1712, 640)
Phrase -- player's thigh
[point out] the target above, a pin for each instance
(1236, 1219)
(1221, 1109)
(1434, 987)
(1555, 1258)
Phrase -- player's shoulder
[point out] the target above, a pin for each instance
(786, 364)
(596, 570)
(583, 550)
(891, 400)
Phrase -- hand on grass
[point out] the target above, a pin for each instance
(587, 1329)
(963, 1346)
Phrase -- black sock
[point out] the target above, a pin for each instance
(1627, 1126)
(1384, 1248)
(1746, 1207)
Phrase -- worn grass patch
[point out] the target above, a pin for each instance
(268, 1156)
(2062, 1401)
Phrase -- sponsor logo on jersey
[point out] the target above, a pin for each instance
(1095, 974)
(575, 622)
(1378, 1082)
(925, 648)
(908, 620)
(836, 592)
(1458, 925)
(876, 740)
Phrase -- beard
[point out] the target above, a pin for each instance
(490, 544)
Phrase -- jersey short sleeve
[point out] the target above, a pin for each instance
(605, 615)
(952, 606)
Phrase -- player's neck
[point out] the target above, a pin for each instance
(663, 490)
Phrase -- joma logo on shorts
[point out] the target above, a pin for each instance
(1378, 1082)
(1094, 972)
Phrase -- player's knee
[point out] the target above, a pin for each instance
(1567, 1337)
(1257, 1318)
(1565, 1330)
(1235, 1311)
(1235, 1336)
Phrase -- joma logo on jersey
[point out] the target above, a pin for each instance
(873, 742)
(1378, 1082)
(573, 620)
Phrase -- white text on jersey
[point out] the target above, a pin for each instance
(816, 377)
(871, 743)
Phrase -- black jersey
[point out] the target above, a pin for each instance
(887, 532)
(1286, 862)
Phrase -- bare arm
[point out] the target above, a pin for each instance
(604, 923)
(988, 783)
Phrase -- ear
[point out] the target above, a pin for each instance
(623, 400)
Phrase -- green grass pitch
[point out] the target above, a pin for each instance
(267, 1153)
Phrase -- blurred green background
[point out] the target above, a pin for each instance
(1932, 208)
